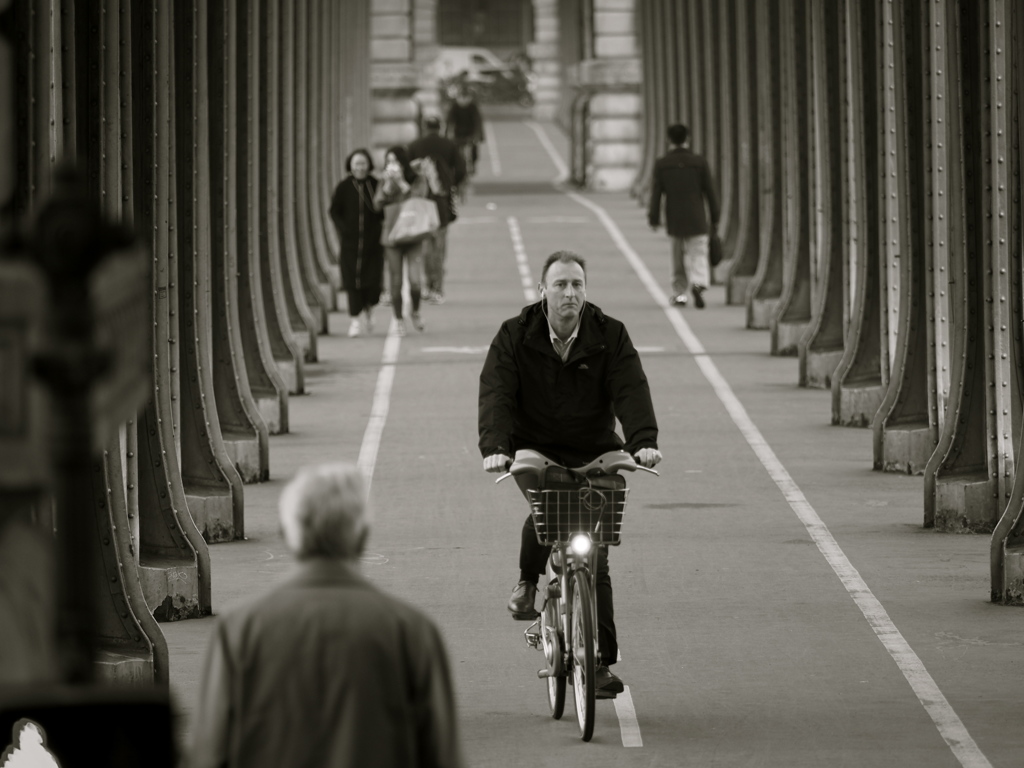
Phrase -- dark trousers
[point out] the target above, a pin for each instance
(533, 559)
(362, 298)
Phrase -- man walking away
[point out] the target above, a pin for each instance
(465, 125)
(683, 177)
(325, 669)
(451, 170)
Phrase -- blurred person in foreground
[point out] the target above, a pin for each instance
(359, 229)
(684, 179)
(325, 669)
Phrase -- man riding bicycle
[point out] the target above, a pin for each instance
(555, 379)
(465, 126)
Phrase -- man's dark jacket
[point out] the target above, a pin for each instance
(529, 398)
(683, 177)
(451, 168)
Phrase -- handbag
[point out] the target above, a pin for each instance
(417, 219)
(715, 249)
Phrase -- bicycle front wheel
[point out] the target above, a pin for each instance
(584, 652)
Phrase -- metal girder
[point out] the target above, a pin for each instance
(242, 429)
(1007, 543)
(969, 481)
(315, 158)
(306, 307)
(213, 486)
(904, 434)
(859, 381)
(290, 338)
(766, 284)
(266, 379)
(821, 347)
(650, 49)
(746, 250)
(324, 162)
(792, 315)
(174, 560)
(725, 86)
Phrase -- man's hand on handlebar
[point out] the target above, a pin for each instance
(498, 462)
(647, 457)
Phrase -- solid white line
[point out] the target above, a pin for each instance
(492, 150)
(948, 723)
(629, 728)
(381, 404)
(560, 166)
(524, 265)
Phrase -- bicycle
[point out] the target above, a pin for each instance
(576, 521)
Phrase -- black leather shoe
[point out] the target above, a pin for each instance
(698, 296)
(520, 605)
(607, 683)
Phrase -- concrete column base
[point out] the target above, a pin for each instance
(289, 371)
(786, 338)
(244, 450)
(736, 290)
(963, 503)
(759, 313)
(171, 589)
(1013, 577)
(269, 406)
(906, 448)
(858, 403)
(820, 366)
(124, 667)
(212, 511)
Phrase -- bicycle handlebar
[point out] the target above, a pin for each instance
(527, 460)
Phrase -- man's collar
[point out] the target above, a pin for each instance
(572, 336)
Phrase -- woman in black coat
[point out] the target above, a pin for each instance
(359, 229)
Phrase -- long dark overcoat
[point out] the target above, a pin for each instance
(359, 228)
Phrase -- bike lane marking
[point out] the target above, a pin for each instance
(950, 727)
(560, 166)
(492, 150)
(529, 291)
(380, 407)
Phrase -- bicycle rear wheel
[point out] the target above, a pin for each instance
(584, 647)
(551, 638)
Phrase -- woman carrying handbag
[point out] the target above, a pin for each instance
(403, 195)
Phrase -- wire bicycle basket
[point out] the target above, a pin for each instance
(558, 513)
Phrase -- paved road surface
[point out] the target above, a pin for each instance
(741, 644)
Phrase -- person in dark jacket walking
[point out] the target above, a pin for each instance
(555, 379)
(684, 179)
(359, 225)
(451, 170)
(465, 125)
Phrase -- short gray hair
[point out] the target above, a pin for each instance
(324, 512)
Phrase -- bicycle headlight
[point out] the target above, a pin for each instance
(580, 544)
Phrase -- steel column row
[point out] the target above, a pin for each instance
(216, 131)
(868, 155)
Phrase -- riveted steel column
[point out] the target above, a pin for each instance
(296, 248)
(319, 294)
(174, 562)
(317, 154)
(649, 46)
(973, 477)
(747, 248)
(213, 486)
(792, 314)
(821, 347)
(859, 381)
(1007, 545)
(132, 644)
(331, 164)
(267, 379)
(766, 285)
(904, 435)
(242, 429)
(289, 336)
(723, 84)
(691, 65)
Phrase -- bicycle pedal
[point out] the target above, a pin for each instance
(532, 638)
